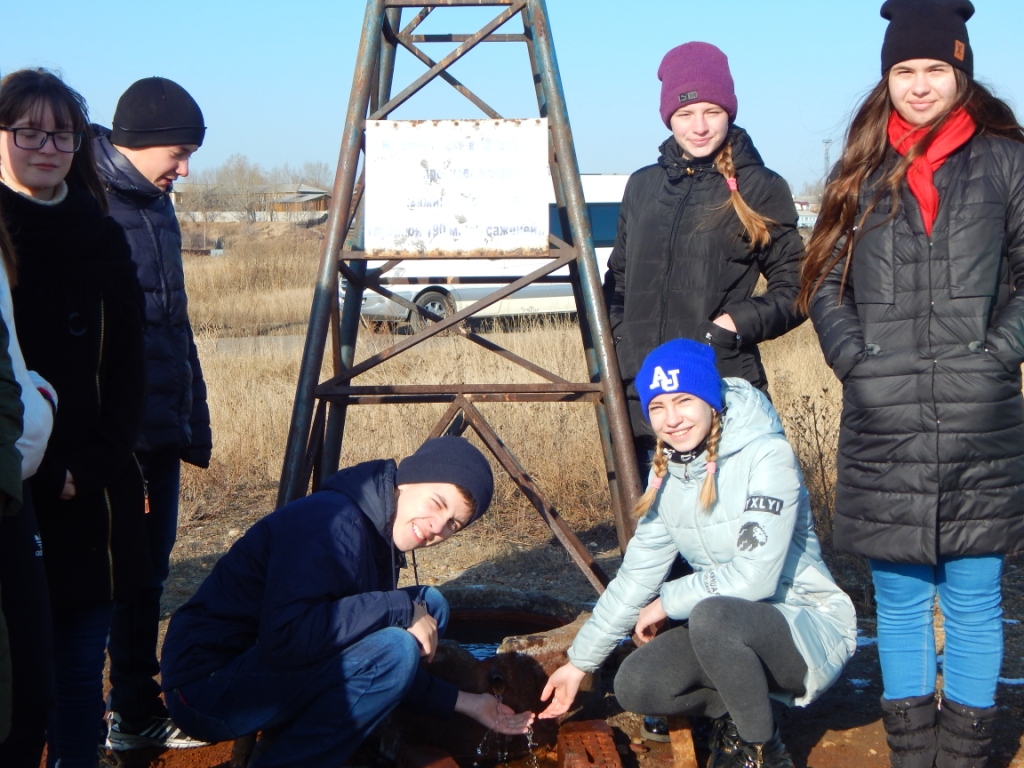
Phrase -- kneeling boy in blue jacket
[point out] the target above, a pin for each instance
(301, 630)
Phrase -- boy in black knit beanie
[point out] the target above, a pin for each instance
(157, 127)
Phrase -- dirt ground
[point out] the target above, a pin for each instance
(840, 730)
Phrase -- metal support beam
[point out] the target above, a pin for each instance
(318, 420)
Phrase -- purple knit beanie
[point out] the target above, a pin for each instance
(695, 72)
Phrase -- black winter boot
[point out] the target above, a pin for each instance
(910, 731)
(770, 754)
(723, 743)
(965, 735)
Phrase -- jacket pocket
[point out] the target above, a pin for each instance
(982, 348)
(717, 336)
(977, 235)
(873, 265)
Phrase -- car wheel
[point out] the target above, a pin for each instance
(438, 303)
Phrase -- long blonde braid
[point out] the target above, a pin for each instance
(754, 224)
(708, 491)
(660, 467)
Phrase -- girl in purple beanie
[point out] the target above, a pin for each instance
(696, 231)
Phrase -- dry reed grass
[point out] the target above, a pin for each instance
(265, 283)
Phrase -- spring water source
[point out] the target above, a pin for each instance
(499, 752)
(481, 618)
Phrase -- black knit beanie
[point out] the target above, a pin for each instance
(156, 112)
(928, 29)
(452, 460)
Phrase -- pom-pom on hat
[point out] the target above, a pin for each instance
(695, 72)
(452, 460)
(680, 365)
(928, 29)
(156, 112)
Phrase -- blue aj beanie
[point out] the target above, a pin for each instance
(452, 460)
(680, 365)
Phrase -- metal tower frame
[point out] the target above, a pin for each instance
(317, 429)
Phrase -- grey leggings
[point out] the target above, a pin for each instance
(727, 658)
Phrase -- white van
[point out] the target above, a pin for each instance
(603, 193)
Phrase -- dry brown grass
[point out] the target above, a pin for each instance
(263, 284)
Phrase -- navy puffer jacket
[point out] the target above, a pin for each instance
(302, 584)
(176, 412)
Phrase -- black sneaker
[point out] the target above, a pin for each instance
(123, 735)
(655, 729)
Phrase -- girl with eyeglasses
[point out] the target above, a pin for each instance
(78, 309)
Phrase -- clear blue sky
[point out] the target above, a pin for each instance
(273, 78)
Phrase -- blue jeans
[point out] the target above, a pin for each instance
(311, 716)
(134, 693)
(970, 596)
(76, 723)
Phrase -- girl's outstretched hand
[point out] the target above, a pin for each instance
(652, 618)
(490, 713)
(564, 683)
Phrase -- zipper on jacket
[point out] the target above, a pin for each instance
(99, 403)
(145, 483)
(110, 539)
(697, 512)
(671, 261)
(166, 303)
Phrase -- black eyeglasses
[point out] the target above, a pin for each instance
(35, 138)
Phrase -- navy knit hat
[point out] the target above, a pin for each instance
(156, 112)
(694, 72)
(928, 29)
(680, 365)
(452, 460)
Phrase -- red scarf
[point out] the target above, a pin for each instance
(953, 134)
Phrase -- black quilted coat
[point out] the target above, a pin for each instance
(928, 339)
(177, 414)
(681, 259)
(78, 310)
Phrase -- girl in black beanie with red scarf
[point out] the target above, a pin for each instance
(915, 282)
(78, 309)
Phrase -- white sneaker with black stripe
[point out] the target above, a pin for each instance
(123, 735)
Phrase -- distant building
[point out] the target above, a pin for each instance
(806, 210)
(256, 202)
(806, 219)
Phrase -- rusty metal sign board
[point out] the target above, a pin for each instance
(456, 188)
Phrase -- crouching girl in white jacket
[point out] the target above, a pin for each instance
(763, 617)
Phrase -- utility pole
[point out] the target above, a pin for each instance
(828, 166)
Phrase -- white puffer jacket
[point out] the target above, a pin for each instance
(757, 542)
(38, 421)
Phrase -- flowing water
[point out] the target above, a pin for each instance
(498, 754)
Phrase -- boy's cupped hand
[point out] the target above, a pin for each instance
(492, 714)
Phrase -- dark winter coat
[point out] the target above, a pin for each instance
(303, 583)
(78, 310)
(928, 339)
(176, 412)
(681, 259)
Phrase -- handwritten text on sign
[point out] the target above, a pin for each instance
(457, 186)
